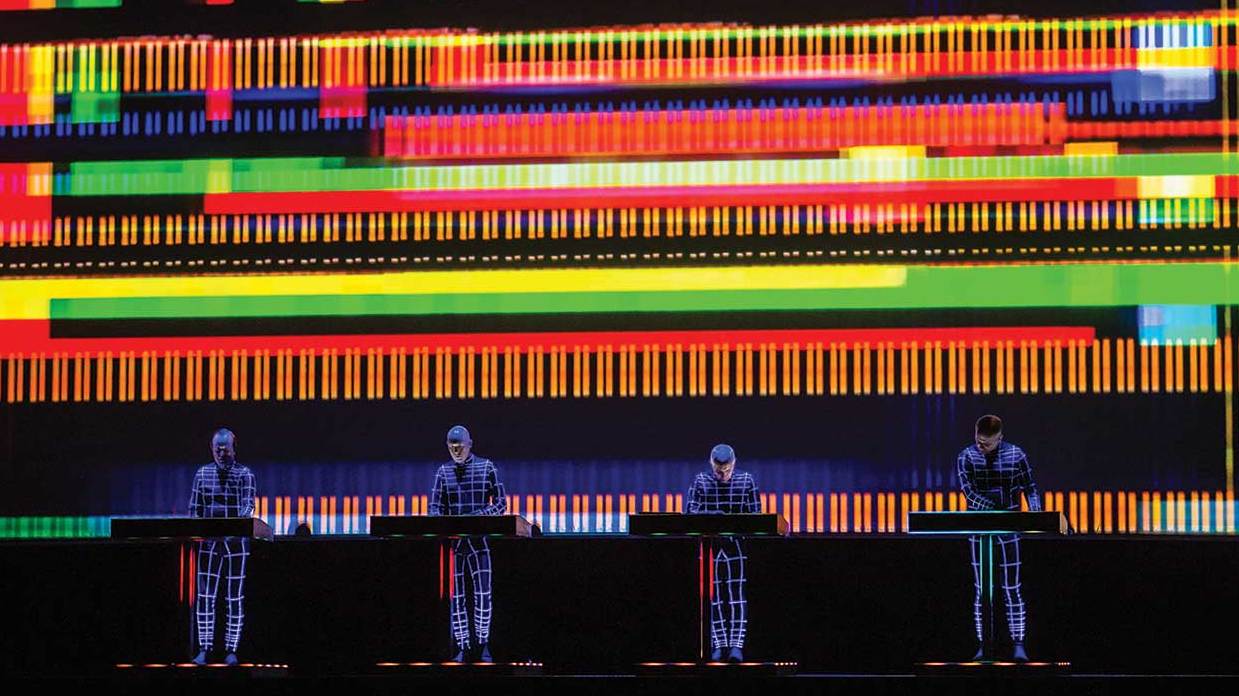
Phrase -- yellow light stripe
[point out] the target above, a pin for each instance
(30, 299)
(1176, 57)
(884, 152)
(1189, 186)
(1107, 148)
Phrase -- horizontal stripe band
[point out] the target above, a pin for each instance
(1066, 285)
(32, 337)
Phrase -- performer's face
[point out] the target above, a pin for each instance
(459, 451)
(989, 443)
(222, 449)
(722, 470)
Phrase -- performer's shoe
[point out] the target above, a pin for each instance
(735, 655)
(716, 655)
(1017, 652)
(980, 653)
(462, 656)
(231, 659)
(201, 658)
(484, 653)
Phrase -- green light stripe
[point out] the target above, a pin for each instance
(1084, 285)
(54, 527)
(95, 107)
(86, 4)
(337, 174)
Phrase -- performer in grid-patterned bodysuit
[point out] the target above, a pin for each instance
(992, 474)
(469, 486)
(725, 490)
(222, 489)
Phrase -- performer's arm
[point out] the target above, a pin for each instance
(695, 495)
(975, 500)
(195, 497)
(1024, 480)
(438, 494)
(495, 493)
(247, 495)
(752, 501)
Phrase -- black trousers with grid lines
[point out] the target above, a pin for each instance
(1007, 554)
(221, 560)
(471, 557)
(728, 606)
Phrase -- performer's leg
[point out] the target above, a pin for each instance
(975, 545)
(210, 560)
(718, 625)
(1009, 546)
(481, 572)
(236, 554)
(736, 602)
(460, 617)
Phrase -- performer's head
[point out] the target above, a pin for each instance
(988, 433)
(459, 444)
(723, 462)
(223, 448)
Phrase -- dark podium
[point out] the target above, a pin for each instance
(987, 524)
(678, 524)
(705, 527)
(189, 528)
(452, 526)
(446, 528)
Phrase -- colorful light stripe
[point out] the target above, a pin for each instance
(644, 198)
(1096, 511)
(716, 131)
(699, 54)
(808, 287)
(35, 336)
(1121, 366)
(56, 4)
(574, 227)
(303, 175)
(26, 84)
(25, 199)
(28, 299)
(1077, 130)
(820, 68)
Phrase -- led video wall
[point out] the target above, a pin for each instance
(833, 243)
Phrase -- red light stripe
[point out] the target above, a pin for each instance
(19, 210)
(1078, 130)
(872, 66)
(704, 131)
(913, 192)
(17, 80)
(342, 102)
(33, 336)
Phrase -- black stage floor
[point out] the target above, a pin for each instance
(726, 680)
(856, 615)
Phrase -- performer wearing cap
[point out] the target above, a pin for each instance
(469, 485)
(724, 490)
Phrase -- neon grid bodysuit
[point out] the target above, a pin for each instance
(737, 495)
(222, 492)
(994, 482)
(470, 488)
